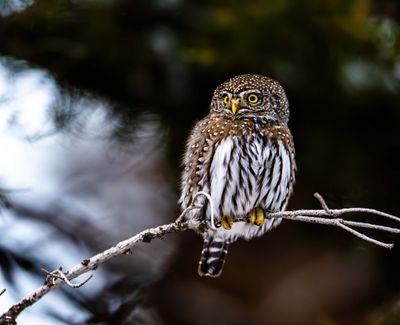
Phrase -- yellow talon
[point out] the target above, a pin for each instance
(256, 216)
(252, 216)
(227, 222)
(260, 216)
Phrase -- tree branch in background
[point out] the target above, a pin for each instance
(2, 291)
(324, 216)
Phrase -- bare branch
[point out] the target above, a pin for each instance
(55, 279)
(312, 216)
(324, 216)
(332, 212)
(2, 291)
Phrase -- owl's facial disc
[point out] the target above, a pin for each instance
(241, 101)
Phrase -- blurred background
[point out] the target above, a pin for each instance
(96, 100)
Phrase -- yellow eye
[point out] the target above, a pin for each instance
(226, 98)
(252, 98)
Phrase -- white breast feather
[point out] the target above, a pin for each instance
(218, 173)
(259, 159)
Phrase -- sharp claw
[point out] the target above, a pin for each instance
(227, 222)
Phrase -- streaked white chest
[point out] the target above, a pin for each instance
(247, 173)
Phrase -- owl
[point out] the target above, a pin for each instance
(242, 155)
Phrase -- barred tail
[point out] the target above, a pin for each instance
(213, 256)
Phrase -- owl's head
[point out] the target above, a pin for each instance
(251, 95)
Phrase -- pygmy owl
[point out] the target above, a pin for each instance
(242, 155)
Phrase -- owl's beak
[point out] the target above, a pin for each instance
(235, 105)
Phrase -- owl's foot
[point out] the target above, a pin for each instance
(227, 222)
(256, 216)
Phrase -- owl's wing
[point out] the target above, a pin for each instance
(196, 163)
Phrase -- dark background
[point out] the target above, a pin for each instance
(339, 62)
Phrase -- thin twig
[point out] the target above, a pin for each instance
(2, 291)
(321, 201)
(192, 206)
(365, 237)
(59, 274)
(73, 285)
(343, 224)
(210, 201)
(371, 226)
(51, 276)
(324, 216)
